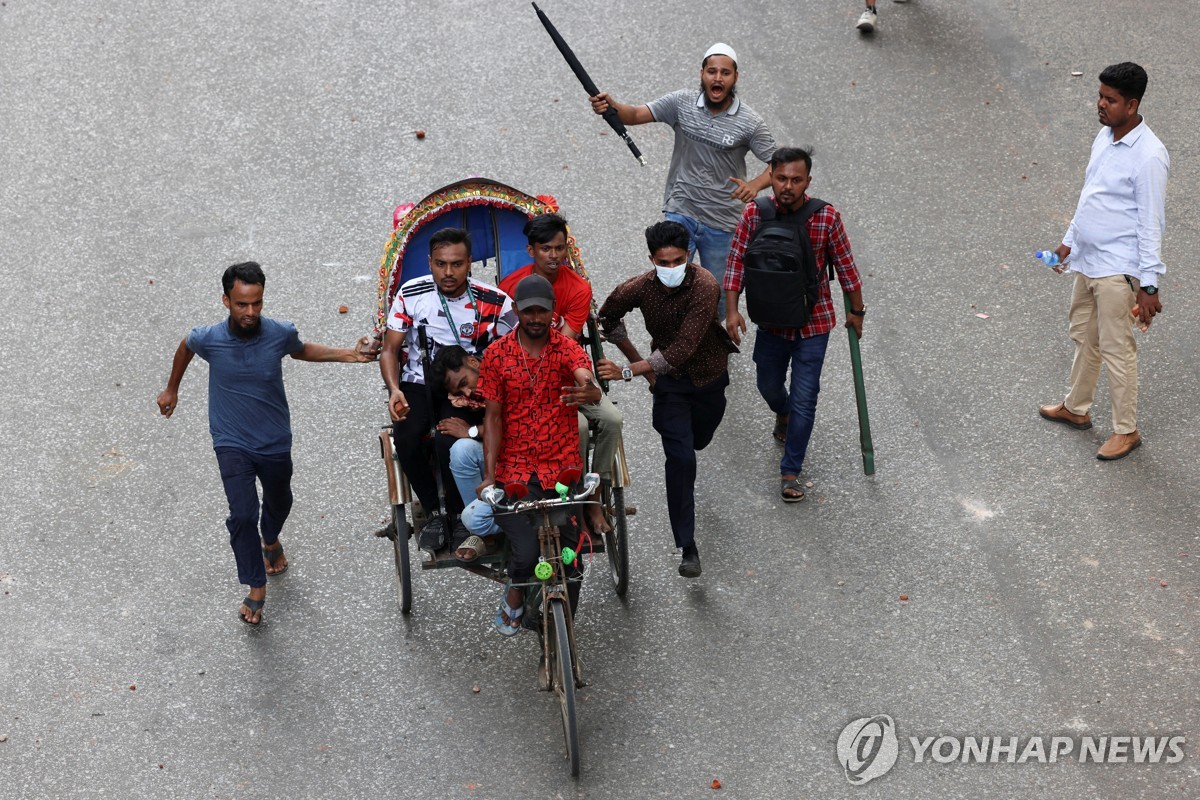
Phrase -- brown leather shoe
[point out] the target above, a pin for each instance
(1119, 445)
(1058, 413)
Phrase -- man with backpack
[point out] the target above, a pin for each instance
(783, 254)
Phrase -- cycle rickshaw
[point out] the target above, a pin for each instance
(495, 215)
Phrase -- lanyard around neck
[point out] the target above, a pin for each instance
(450, 319)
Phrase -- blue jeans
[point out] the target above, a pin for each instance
(772, 355)
(466, 464)
(713, 246)
(239, 472)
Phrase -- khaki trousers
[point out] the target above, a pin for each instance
(608, 435)
(1102, 329)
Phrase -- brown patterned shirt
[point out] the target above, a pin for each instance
(687, 340)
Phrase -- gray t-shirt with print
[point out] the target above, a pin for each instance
(709, 148)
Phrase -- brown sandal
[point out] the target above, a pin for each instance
(473, 544)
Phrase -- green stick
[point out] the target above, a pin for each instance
(860, 396)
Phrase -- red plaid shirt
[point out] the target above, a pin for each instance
(541, 433)
(829, 244)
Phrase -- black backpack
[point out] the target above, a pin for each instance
(782, 283)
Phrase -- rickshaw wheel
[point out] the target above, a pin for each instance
(563, 680)
(616, 541)
(400, 551)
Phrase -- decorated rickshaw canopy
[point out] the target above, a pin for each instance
(492, 213)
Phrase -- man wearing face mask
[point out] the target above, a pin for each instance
(687, 368)
(707, 182)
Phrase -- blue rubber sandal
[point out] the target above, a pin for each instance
(513, 626)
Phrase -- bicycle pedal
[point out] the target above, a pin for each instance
(387, 531)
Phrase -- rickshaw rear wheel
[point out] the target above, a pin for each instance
(403, 567)
(616, 541)
(563, 679)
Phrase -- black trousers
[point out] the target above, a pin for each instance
(409, 436)
(521, 532)
(686, 416)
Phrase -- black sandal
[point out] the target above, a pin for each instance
(273, 555)
(255, 606)
(790, 485)
(780, 432)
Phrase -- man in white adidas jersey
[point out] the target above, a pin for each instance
(451, 308)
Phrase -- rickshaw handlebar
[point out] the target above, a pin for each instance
(495, 496)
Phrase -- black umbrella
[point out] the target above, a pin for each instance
(589, 86)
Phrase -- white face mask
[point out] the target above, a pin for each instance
(671, 277)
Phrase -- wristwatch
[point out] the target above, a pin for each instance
(473, 431)
(1150, 290)
(859, 312)
(626, 374)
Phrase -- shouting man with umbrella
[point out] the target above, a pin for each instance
(706, 182)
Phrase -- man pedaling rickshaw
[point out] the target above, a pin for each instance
(532, 380)
(457, 371)
(546, 235)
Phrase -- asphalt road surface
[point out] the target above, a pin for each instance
(144, 147)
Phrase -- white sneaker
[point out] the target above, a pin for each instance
(868, 22)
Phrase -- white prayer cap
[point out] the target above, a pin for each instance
(721, 49)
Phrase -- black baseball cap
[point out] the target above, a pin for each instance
(534, 290)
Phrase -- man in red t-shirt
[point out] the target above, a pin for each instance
(549, 248)
(547, 237)
(532, 380)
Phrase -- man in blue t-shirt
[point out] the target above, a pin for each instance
(249, 420)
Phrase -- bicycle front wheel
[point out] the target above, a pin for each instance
(563, 678)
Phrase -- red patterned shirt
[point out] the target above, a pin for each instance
(829, 244)
(541, 433)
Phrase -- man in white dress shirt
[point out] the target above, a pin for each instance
(1114, 244)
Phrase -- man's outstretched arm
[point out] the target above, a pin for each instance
(746, 191)
(169, 398)
(347, 355)
(630, 115)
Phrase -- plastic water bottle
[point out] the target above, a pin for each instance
(1047, 257)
